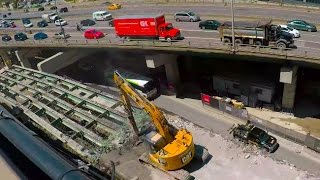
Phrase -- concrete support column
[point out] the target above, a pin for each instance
(288, 76)
(170, 63)
(4, 59)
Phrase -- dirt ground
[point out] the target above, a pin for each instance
(6, 172)
(233, 160)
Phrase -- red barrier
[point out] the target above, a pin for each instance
(205, 99)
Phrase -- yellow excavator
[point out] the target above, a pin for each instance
(171, 149)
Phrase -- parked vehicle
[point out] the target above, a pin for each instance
(188, 16)
(93, 34)
(87, 22)
(41, 9)
(209, 24)
(6, 38)
(20, 36)
(248, 133)
(101, 16)
(114, 6)
(61, 36)
(60, 22)
(63, 10)
(140, 26)
(302, 25)
(290, 30)
(42, 23)
(261, 33)
(40, 36)
(53, 7)
(51, 17)
(27, 23)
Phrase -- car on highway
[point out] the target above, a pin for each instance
(60, 22)
(302, 25)
(93, 34)
(20, 36)
(40, 36)
(87, 22)
(290, 30)
(6, 38)
(41, 9)
(101, 16)
(187, 16)
(5, 24)
(27, 23)
(114, 6)
(42, 23)
(53, 7)
(60, 35)
(209, 24)
(63, 10)
(248, 133)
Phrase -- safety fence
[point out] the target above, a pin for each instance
(297, 137)
(181, 45)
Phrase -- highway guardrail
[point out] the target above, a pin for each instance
(183, 45)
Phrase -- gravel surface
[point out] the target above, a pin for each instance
(233, 160)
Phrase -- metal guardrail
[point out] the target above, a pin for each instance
(199, 46)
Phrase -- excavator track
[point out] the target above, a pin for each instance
(180, 174)
(201, 153)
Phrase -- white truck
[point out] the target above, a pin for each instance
(101, 16)
(51, 17)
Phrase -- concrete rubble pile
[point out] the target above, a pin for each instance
(235, 160)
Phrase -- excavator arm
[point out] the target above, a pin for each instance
(155, 114)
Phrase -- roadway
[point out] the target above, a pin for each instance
(210, 9)
(309, 41)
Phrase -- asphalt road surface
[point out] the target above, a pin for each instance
(309, 41)
(214, 9)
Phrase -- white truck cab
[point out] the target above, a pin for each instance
(101, 16)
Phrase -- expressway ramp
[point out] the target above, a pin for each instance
(86, 121)
(63, 59)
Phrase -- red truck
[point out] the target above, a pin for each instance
(145, 26)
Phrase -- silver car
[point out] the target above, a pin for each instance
(187, 16)
(61, 36)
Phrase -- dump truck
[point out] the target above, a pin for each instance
(261, 33)
(171, 149)
(145, 27)
(248, 133)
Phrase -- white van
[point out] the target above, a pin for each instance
(101, 16)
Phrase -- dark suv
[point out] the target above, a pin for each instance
(64, 9)
(248, 133)
(20, 36)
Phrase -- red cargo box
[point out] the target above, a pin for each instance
(138, 25)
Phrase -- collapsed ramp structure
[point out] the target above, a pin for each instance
(86, 121)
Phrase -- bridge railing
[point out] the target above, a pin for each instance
(200, 46)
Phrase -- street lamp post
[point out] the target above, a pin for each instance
(232, 26)
(61, 28)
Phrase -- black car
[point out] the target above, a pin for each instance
(209, 24)
(249, 133)
(20, 36)
(53, 8)
(64, 9)
(42, 23)
(87, 22)
(6, 37)
(41, 9)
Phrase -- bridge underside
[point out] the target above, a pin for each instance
(86, 121)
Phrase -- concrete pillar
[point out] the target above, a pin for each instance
(170, 63)
(63, 59)
(4, 59)
(288, 76)
(23, 56)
